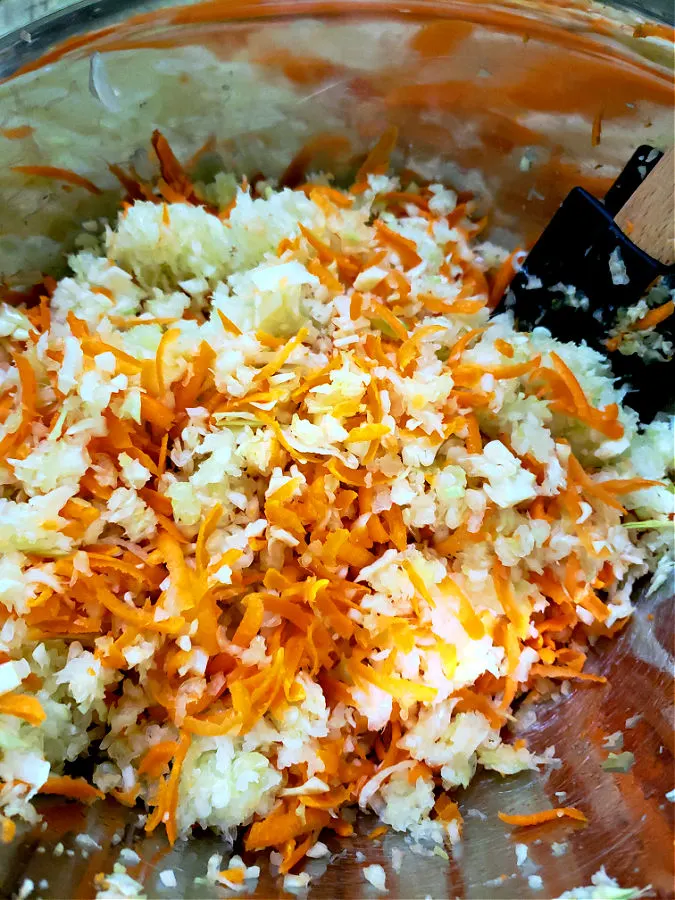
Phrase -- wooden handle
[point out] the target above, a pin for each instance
(648, 217)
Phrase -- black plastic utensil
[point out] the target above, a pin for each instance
(584, 269)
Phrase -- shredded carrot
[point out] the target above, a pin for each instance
(98, 562)
(377, 160)
(578, 406)
(167, 798)
(15, 134)
(366, 433)
(470, 701)
(404, 247)
(212, 726)
(409, 348)
(284, 825)
(23, 706)
(538, 669)
(517, 370)
(228, 324)
(545, 815)
(654, 317)
(234, 876)
(73, 788)
(295, 853)
(172, 171)
(251, 622)
(446, 809)
(163, 450)
(123, 322)
(134, 187)
(388, 317)
(325, 276)
(206, 529)
(505, 593)
(397, 687)
(627, 485)
(474, 441)
(156, 413)
(141, 618)
(395, 527)
(168, 338)
(58, 174)
(208, 146)
(418, 582)
(28, 388)
(503, 277)
(127, 798)
(171, 799)
(510, 690)
(462, 344)
(281, 356)
(504, 347)
(156, 760)
(337, 198)
(593, 488)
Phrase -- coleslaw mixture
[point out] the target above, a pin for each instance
(287, 522)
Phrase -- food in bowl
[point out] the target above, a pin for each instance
(289, 524)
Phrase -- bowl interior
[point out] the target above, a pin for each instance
(513, 102)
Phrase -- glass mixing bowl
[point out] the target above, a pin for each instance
(516, 101)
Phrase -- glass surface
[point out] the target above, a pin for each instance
(504, 99)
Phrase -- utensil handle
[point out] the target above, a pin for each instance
(648, 217)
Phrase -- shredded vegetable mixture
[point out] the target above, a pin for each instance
(287, 522)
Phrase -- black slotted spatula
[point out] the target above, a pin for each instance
(585, 268)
